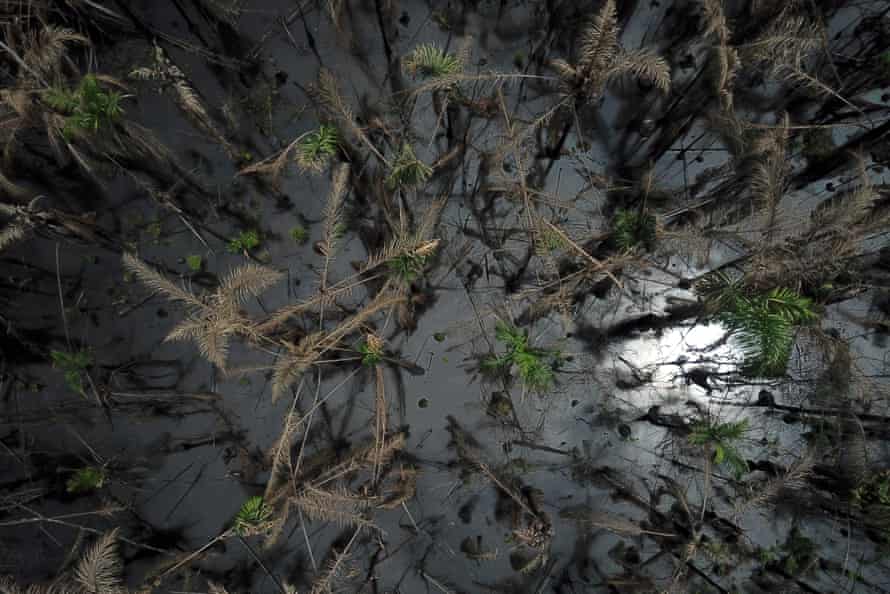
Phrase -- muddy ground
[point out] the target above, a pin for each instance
(593, 482)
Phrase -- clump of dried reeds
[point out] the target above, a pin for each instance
(187, 97)
(98, 571)
(214, 318)
(602, 60)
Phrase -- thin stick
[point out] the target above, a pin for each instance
(262, 565)
(61, 299)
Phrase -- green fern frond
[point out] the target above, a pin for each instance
(407, 170)
(316, 148)
(429, 60)
(252, 515)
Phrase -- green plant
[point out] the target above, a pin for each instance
(317, 147)
(631, 229)
(372, 351)
(432, 61)
(87, 106)
(535, 366)
(408, 265)
(407, 170)
(763, 323)
(874, 489)
(720, 438)
(299, 234)
(244, 242)
(252, 515)
(86, 480)
(547, 240)
(194, 262)
(74, 366)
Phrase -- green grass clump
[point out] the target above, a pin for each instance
(244, 242)
(88, 106)
(407, 170)
(631, 229)
(252, 515)
(316, 148)
(74, 366)
(430, 60)
(763, 323)
(720, 437)
(86, 480)
(534, 366)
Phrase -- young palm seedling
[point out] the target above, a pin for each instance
(720, 438)
(534, 366)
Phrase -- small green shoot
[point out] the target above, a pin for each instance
(244, 242)
(370, 356)
(534, 366)
(407, 170)
(720, 438)
(86, 480)
(410, 263)
(407, 266)
(74, 366)
(547, 241)
(630, 229)
(195, 262)
(299, 234)
(429, 60)
(317, 147)
(88, 107)
(251, 517)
